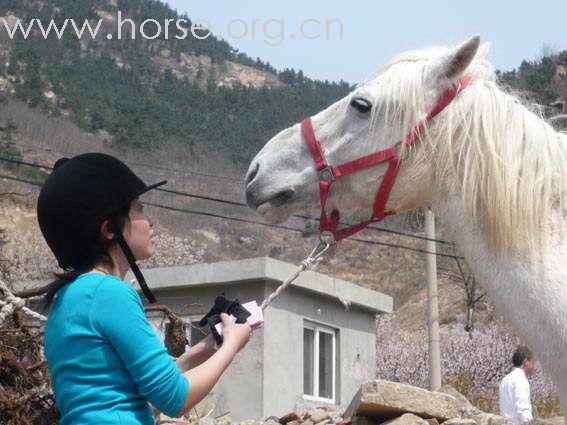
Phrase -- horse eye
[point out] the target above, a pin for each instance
(361, 105)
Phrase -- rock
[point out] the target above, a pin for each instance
(318, 415)
(384, 400)
(464, 405)
(364, 420)
(490, 419)
(223, 420)
(432, 421)
(336, 418)
(557, 420)
(407, 419)
(289, 418)
(250, 422)
(307, 422)
(460, 421)
(245, 240)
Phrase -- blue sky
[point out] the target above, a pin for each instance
(375, 31)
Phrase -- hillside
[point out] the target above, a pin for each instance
(42, 127)
(152, 94)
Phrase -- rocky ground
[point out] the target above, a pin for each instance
(382, 403)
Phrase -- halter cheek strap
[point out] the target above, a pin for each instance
(328, 225)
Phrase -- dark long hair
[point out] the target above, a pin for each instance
(99, 254)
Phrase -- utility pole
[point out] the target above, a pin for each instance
(432, 305)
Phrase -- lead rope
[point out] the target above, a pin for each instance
(11, 303)
(311, 259)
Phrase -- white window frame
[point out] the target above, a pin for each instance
(317, 328)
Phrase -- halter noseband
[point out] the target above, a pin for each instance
(328, 225)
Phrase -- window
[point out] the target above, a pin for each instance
(319, 360)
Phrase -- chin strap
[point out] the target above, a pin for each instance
(132, 262)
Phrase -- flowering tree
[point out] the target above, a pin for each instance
(472, 363)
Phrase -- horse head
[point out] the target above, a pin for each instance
(377, 115)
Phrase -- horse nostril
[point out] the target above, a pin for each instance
(252, 173)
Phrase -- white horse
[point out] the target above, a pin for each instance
(493, 171)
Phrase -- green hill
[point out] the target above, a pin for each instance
(201, 94)
(544, 80)
(150, 93)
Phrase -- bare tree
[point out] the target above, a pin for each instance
(462, 276)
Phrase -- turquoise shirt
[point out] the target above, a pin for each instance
(105, 359)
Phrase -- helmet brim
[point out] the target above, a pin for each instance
(152, 186)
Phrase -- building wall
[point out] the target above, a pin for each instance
(239, 391)
(266, 377)
(283, 348)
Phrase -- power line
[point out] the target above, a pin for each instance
(157, 167)
(241, 204)
(206, 198)
(209, 214)
(277, 226)
(215, 176)
(385, 230)
(282, 227)
(22, 162)
(20, 180)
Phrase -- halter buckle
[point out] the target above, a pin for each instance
(327, 174)
(327, 237)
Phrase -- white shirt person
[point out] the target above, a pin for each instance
(515, 401)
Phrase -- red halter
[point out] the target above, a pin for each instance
(328, 173)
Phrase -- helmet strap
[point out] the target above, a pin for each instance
(132, 262)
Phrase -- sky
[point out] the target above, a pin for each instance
(375, 31)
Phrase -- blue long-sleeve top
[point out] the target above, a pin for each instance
(105, 359)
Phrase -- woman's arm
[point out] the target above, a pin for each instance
(197, 354)
(203, 378)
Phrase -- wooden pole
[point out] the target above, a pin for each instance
(432, 305)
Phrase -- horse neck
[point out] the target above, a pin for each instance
(530, 295)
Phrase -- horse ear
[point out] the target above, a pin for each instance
(453, 64)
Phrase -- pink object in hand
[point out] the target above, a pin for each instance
(256, 319)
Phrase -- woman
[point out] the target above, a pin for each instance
(105, 359)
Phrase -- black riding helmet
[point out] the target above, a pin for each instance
(77, 197)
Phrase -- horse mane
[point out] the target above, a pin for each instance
(508, 163)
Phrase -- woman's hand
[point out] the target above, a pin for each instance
(235, 336)
(203, 377)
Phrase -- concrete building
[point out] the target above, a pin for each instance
(312, 350)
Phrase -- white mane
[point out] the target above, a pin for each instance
(506, 160)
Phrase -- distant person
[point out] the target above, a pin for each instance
(515, 402)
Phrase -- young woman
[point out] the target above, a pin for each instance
(105, 359)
